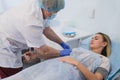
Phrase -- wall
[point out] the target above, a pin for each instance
(8, 4)
(94, 16)
(88, 15)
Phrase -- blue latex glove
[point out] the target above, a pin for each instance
(65, 52)
(64, 45)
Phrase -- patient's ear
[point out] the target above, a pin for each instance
(104, 44)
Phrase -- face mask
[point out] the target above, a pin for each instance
(52, 16)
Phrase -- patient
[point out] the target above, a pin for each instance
(86, 65)
(100, 44)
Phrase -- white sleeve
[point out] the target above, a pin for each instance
(104, 67)
(46, 23)
(105, 63)
(33, 35)
(32, 26)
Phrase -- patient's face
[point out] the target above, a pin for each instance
(97, 42)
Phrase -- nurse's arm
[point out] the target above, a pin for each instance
(50, 34)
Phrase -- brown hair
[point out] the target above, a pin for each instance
(107, 49)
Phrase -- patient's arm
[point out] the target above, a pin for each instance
(89, 75)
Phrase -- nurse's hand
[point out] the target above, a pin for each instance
(65, 52)
(65, 45)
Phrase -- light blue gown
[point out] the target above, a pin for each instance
(53, 69)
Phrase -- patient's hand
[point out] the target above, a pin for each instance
(69, 60)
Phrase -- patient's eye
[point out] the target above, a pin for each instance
(92, 38)
(95, 38)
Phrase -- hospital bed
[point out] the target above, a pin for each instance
(82, 39)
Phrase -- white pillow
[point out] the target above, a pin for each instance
(115, 58)
(85, 43)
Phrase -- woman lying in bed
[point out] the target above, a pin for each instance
(86, 65)
(100, 44)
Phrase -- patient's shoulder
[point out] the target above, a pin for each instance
(105, 63)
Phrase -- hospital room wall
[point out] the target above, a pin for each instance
(87, 15)
(8, 4)
(93, 16)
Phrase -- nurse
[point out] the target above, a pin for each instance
(22, 28)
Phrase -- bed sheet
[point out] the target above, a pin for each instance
(53, 69)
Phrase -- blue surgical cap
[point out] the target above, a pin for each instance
(51, 5)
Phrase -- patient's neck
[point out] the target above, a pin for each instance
(98, 50)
